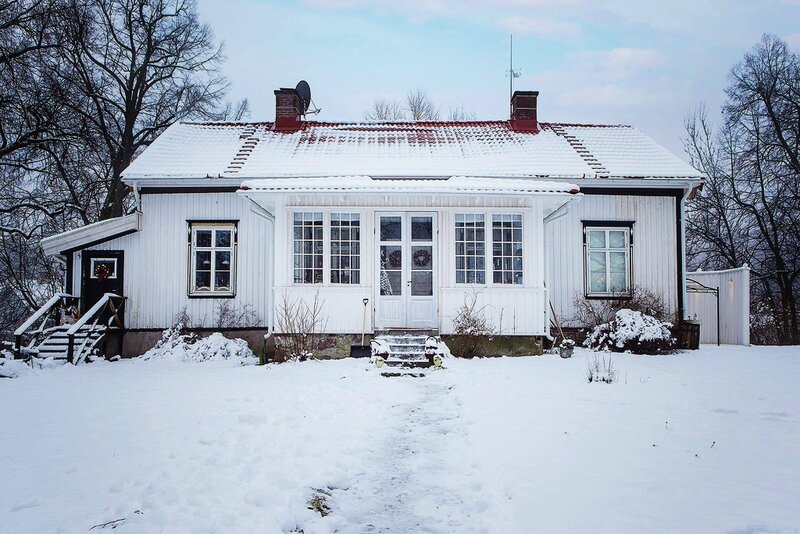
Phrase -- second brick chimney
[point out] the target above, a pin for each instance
(288, 110)
(523, 111)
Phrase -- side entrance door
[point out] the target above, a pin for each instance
(101, 272)
(406, 267)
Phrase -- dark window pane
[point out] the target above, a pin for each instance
(391, 283)
(391, 229)
(203, 238)
(202, 280)
(222, 281)
(222, 260)
(421, 228)
(223, 238)
(422, 283)
(202, 260)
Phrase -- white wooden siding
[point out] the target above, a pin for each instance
(654, 257)
(156, 257)
(156, 269)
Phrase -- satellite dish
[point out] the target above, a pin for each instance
(304, 92)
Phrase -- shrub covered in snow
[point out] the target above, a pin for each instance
(632, 331)
(11, 368)
(601, 370)
(178, 344)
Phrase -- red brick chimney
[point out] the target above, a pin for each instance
(288, 110)
(523, 111)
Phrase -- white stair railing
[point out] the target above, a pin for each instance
(91, 318)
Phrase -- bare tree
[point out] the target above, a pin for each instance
(461, 114)
(749, 208)
(138, 67)
(385, 110)
(85, 85)
(419, 106)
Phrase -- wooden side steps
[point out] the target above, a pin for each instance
(56, 345)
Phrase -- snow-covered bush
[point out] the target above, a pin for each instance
(601, 370)
(632, 331)
(179, 344)
(591, 313)
(11, 368)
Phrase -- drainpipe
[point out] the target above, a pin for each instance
(559, 212)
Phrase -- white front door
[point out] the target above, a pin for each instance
(406, 267)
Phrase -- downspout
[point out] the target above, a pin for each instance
(259, 210)
(680, 214)
(559, 212)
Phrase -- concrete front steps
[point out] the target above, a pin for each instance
(409, 349)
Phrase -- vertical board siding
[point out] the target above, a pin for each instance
(734, 306)
(156, 269)
(654, 261)
(156, 260)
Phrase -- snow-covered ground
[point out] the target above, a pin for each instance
(695, 442)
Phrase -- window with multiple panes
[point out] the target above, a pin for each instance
(345, 232)
(608, 260)
(470, 248)
(307, 231)
(212, 259)
(507, 248)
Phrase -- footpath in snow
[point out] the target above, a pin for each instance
(694, 442)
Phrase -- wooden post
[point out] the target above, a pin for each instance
(17, 347)
(70, 347)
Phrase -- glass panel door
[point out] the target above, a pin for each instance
(392, 263)
(406, 270)
(420, 249)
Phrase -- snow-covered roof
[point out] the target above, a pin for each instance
(414, 149)
(91, 233)
(452, 185)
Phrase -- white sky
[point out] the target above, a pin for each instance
(641, 63)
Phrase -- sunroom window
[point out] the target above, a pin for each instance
(308, 247)
(345, 248)
(470, 248)
(608, 261)
(212, 259)
(507, 248)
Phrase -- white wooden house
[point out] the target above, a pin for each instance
(413, 216)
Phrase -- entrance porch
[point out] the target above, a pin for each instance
(419, 250)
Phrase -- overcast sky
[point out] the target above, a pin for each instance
(642, 63)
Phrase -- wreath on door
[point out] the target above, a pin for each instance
(421, 257)
(396, 259)
(102, 272)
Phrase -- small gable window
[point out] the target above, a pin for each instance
(607, 261)
(212, 256)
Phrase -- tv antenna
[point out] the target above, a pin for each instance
(304, 92)
(512, 74)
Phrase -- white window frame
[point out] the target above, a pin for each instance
(627, 228)
(327, 259)
(302, 254)
(92, 262)
(328, 251)
(490, 253)
(213, 226)
(486, 246)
